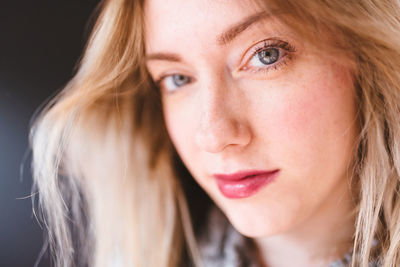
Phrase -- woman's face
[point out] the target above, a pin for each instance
(241, 94)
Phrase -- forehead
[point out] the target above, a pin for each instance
(169, 22)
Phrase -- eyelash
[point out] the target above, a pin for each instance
(267, 44)
(255, 49)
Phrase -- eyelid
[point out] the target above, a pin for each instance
(160, 79)
(261, 45)
(158, 82)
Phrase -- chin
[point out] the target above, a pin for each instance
(253, 227)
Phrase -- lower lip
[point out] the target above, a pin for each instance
(245, 187)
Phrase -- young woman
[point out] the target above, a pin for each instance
(227, 133)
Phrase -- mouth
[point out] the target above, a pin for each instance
(245, 183)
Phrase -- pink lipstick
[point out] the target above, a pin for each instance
(245, 183)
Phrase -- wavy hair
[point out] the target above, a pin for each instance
(111, 189)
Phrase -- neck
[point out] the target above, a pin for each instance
(322, 238)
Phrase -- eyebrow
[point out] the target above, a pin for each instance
(232, 32)
(223, 39)
(164, 56)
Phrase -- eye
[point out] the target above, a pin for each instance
(170, 83)
(267, 55)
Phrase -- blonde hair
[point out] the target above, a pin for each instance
(110, 188)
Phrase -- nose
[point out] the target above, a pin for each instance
(222, 122)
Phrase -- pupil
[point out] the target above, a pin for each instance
(180, 80)
(268, 56)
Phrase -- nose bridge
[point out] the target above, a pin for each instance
(220, 124)
(215, 103)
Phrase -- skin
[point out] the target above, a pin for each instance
(232, 115)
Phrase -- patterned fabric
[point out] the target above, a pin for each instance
(222, 245)
(346, 260)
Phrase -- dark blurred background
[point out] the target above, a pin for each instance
(40, 44)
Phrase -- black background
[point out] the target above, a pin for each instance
(40, 44)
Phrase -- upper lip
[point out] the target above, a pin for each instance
(242, 174)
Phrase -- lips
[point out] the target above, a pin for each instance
(244, 183)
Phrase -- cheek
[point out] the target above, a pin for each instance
(301, 118)
(176, 127)
(308, 133)
(312, 129)
(180, 128)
